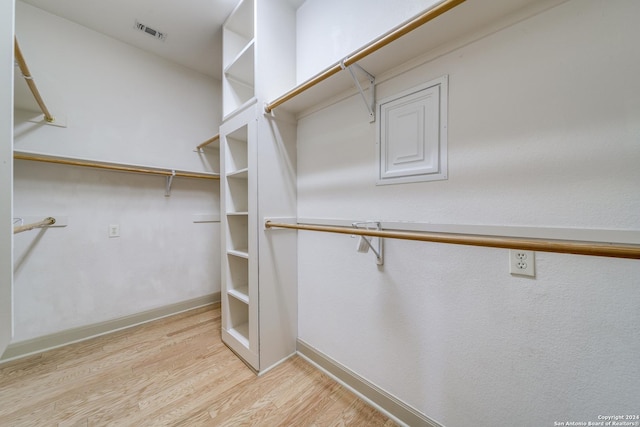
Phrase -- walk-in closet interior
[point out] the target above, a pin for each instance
(435, 202)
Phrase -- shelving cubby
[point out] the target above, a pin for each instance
(239, 321)
(238, 278)
(237, 229)
(236, 159)
(237, 196)
(238, 81)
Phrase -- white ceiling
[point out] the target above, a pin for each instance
(193, 27)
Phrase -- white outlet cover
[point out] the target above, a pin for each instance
(522, 263)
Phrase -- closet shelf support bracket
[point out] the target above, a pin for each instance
(369, 103)
(167, 188)
(364, 242)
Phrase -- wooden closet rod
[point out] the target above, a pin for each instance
(208, 141)
(121, 168)
(558, 246)
(24, 69)
(375, 45)
(45, 222)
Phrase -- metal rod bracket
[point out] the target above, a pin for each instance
(167, 189)
(369, 103)
(364, 244)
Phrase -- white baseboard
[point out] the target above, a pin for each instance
(369, 392)
(48, 342)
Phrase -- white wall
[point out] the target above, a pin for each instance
(76, 275)
(6, 169)
(124, 105)
(329, 30)
(544, 131)
(121, 103)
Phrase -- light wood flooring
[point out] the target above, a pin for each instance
(175, 371)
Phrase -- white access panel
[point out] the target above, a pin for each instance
(412, 134)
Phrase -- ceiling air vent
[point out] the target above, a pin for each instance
(150, 31)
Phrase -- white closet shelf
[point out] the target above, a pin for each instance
(242, 84)
(241, 294)
(241, 253)
(457, 27)
(114, 166)
(241, 70)
(241, 19)
(239, 174)
(241, 334)
(237, 109)
(234, 44)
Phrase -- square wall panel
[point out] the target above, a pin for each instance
(412, 134)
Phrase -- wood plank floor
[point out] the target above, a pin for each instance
(175, 371)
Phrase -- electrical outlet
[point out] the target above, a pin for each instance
(522, 263)
(114, 230)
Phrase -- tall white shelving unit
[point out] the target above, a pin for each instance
(240, 266)
(258, 179)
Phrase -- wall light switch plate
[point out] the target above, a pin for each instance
(522, 263)
(114, 230)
